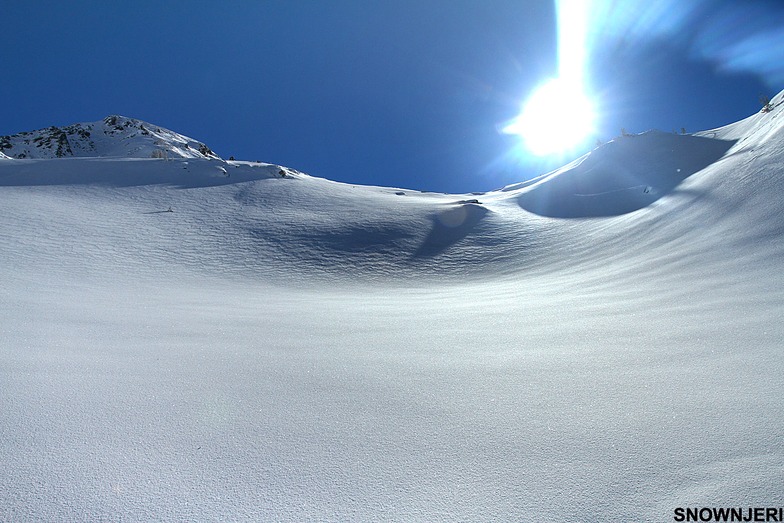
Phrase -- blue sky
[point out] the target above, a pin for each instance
(396, 93)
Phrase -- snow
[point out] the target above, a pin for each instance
(113, 136)
(281, 347)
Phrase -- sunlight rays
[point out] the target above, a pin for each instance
(559, 116)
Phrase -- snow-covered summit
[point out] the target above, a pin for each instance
(111, 137)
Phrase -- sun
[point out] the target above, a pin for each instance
(557, 117)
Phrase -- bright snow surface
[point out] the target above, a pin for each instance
(603, 343)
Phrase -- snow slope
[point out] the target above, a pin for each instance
(112, 136)
(197, 339)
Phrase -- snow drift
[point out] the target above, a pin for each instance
(189, 338)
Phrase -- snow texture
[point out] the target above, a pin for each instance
(185, 338)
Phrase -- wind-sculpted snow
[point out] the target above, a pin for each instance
(207, 340)
(450, 226)
(624, 175)
(136, 172)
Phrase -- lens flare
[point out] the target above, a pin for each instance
(559, 116)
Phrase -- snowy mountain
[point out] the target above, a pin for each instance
(112, 136)
(188, 338)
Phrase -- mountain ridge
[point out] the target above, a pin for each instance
(113, 136)
(644, 191)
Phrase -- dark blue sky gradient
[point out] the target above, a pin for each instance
(395, 93)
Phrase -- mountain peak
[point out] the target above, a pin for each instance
(114, 136)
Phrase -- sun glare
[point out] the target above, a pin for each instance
(557, 117)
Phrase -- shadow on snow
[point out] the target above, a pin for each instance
(623, 175)
(449, 227)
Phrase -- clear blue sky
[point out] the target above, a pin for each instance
(394, 92)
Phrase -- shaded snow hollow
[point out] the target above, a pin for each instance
(189, 338)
